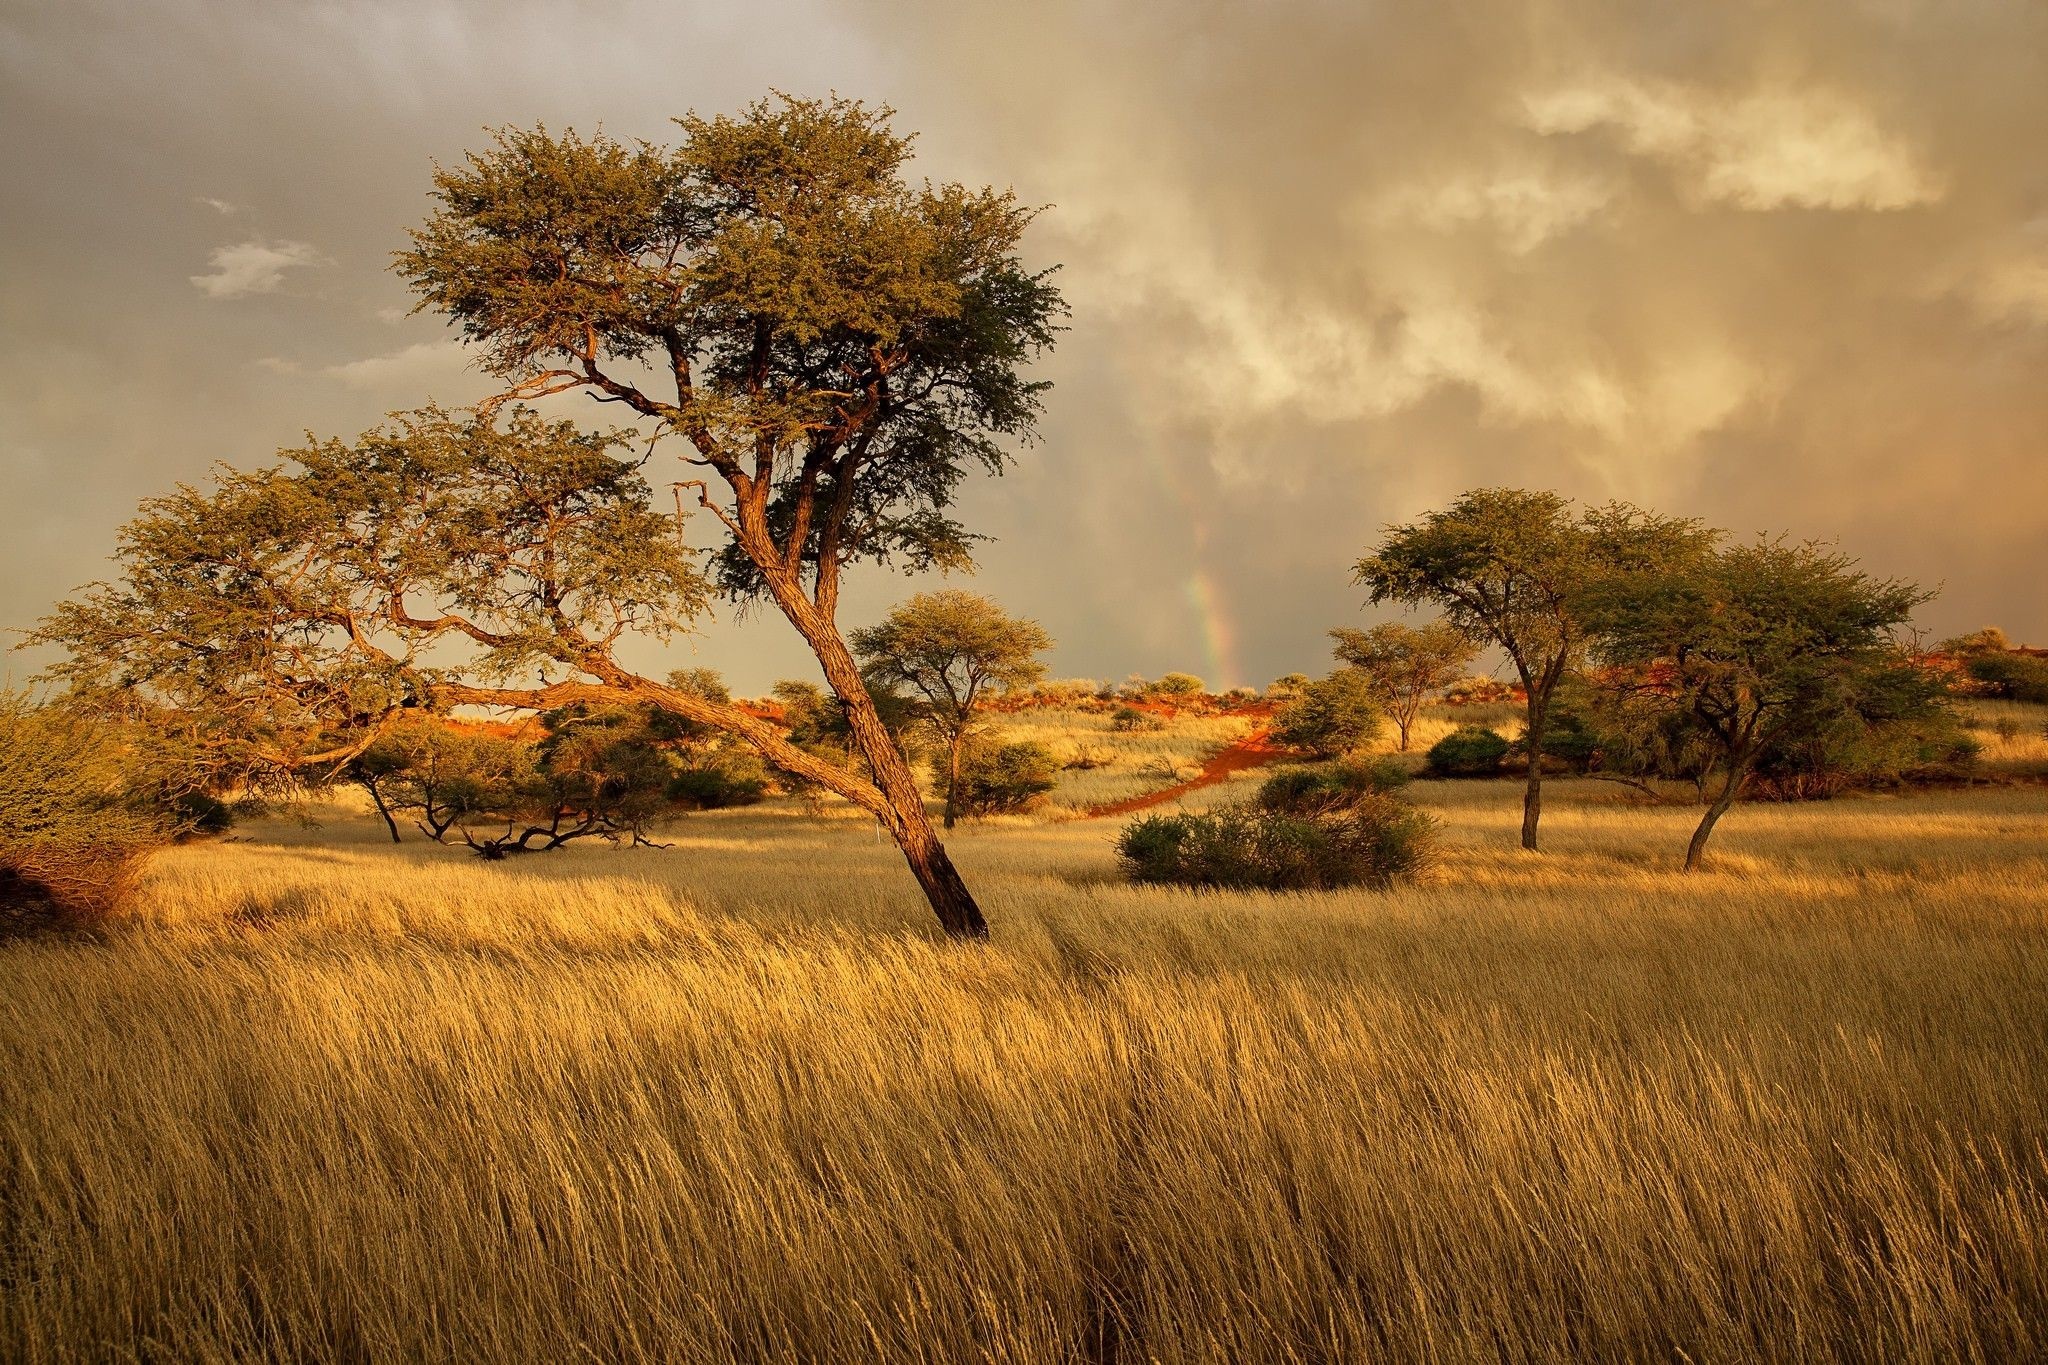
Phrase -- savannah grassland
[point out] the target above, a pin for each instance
(320, 1098)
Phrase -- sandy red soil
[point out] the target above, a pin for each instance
(1254, 750)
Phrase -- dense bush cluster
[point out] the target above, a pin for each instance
(1468, 751)
(1376, 842)
(1330, 787)
(1001, 779)
(2010, 675)
(1333, 715)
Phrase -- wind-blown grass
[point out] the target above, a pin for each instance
(321, 1098)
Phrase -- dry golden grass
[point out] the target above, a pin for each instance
(325, 1099)
(1131, 762)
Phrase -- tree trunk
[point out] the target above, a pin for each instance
(377, 800)
(1696, 851)
(953, 778)
(1532, 794)
(905, 816)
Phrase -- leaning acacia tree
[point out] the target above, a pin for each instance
(1758, 646)
(1512, 568)
(832, 348)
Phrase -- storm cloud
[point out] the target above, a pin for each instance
(1784, 266)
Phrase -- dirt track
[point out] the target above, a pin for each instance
(1253, 751)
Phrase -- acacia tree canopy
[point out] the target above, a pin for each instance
(950, 648)
(1756, 646)
(1406, 664)
(835, 347)
(1510, 567)
(442, 560)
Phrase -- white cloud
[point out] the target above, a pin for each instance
(414, 368)
(1764, 150)
(1527, 208)
(254, 267)
(220, 206)
(279, 365)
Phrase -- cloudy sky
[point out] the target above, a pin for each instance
(1782, 265)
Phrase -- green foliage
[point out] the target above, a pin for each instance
(1376, 842)
(1180, 685)
(2013, 676)
(1511, 567)
(300, 605)
(1128, 718)
(778, 261)
(82, 805)
(1001, 778)
(1330, 786)
(1765, 645)
(1333, 715)
(1468, 751)
(1287, 686)
(1406, 665)
(1899, 730)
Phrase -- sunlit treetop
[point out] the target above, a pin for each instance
(837, 344)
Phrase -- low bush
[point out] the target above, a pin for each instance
(716, 788)
(1468, 751)
(998, 779)
(1329, 787)
(78, 813)
(1127, 718)
(1376, 842)
(2012, 676)
(1333, 715)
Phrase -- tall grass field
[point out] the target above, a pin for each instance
(317, 1097)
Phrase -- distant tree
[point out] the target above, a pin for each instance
(1756, 646)
(1407, 665)
(1509, 567)
(2010, 674)
(995, 778)
(1333, 715)
(1287, 685)
(1180, 685)
(1988, 640)
(951, 649)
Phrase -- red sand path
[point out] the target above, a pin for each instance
(1253, 751)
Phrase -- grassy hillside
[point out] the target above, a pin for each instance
(324, 1098)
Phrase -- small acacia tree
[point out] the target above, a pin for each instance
(1406, 664)
(1757, 647)
(833, 347)
(951, 648)
(1510, 568)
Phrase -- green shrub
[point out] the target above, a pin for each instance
(1378, 841)
(1180, 685)
(1131, 718)
(1329, 787)
(1333, 715)
(716, 788)
(1856, 755)
(1468, 751)
(2015, 677)
(997, 778)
